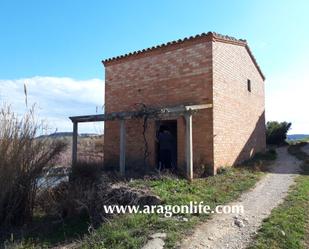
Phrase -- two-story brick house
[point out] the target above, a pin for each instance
(215, 75)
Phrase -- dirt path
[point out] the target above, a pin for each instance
(222, 232)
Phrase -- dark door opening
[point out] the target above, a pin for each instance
(166, 144)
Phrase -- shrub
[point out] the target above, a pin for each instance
(87, 170)
(223, 170)
(296, 150)
(269, 155)
(276, 132)
(23, 158)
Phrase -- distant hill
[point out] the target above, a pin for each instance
(67, 134)
(60, 134)
(298, 136)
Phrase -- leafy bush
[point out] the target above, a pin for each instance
(276, 132)
(23, 158)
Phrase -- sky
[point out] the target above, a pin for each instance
(56, 48)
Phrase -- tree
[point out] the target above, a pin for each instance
(276, 132)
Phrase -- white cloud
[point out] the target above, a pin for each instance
(56, 98)
(287, 97)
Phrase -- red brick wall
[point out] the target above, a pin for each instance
(165, 77)
(239, 121)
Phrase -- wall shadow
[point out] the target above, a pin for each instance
(254, 148)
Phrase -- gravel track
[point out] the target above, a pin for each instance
(236, 231)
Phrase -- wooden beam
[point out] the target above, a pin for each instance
(197, 107)
(189, 147)
(151, 113)
(122, 159)
(74, 143)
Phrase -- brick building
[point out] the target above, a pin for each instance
(209, 93)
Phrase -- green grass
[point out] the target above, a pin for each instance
(212, 189)
(69, 229)
(45, 233)
(131, 231)
(288, 225)
(261, 160)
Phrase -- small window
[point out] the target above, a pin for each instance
(249, 85)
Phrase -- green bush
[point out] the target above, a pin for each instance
(276, 132)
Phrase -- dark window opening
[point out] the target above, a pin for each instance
(166, 155)
(249, 85)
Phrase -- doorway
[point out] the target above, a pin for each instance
(166, 145)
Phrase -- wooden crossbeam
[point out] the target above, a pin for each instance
(151, 113)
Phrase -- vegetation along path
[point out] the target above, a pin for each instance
(236, 231)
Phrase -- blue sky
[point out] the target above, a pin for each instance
(57, 47)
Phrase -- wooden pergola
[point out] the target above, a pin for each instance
(157, 113)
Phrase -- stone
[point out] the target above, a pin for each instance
(158, 235)
(239, 223)
(154, 244)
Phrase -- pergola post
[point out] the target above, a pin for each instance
(74, 143)
(189, 148)
(122, 159)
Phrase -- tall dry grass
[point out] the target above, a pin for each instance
(23, 159)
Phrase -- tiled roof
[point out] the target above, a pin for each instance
(211, 35)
